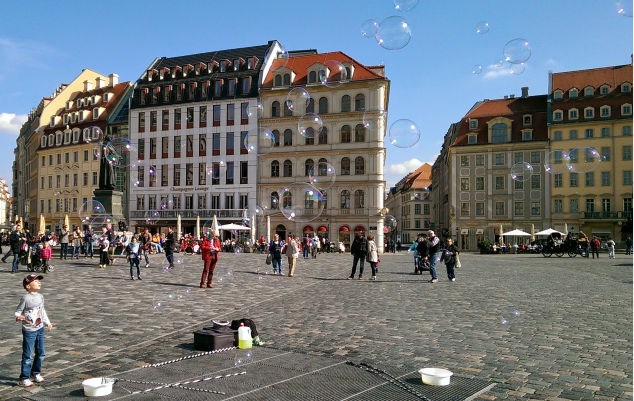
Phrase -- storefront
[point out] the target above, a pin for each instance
(344, 235)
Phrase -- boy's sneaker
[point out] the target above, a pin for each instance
(37, 378)
(25, 383)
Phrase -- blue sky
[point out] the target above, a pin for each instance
(44, 44)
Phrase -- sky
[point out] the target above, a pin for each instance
(44, 44)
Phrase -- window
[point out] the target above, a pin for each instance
(323, 136)
(558, 180)
(590, 179)
(473, 124)
(559, 205)
(244, 113)
(627, 204)
(216, 115)
(519, 157)
(359, 166)
(177, 118)
(626, 88)
(605, 204)
(464, 161)
(288, 137)
(218, 88)
(152, 173)
(50, 160)
(277, 80)
(166, 118)
(574, 92)
(359, 102)
(627, 177)
(499, 159)
(589, 133)
(323, 105)
(464, 184)
(573, 134)
(574, 179)
(558, 94)
(244, 172)
(573, 114)
(589, 91)
(359, 133)
(345, 134)
(426, 209)
(479, 183)
(275, 168)
(229, 144)
(473, 139)
(464, 208)
(177, 175)
(345, 199)
(67, 157)
(95, 178)
(287, 79)
(557, 136)
(189, 174)
(345, 166)
(605, 154)
(275, 109)
(288, 168)
(176, 199)
(140, 202)
(479, 160)
(345, 103)
(312, 77)
(84, 180)
(574, 205)
(605, 90)
(519, 208)
(359, 199)
(75, 183)
(536, 181)
(626, 110)
(527, 135)
(536, 208)
(499, 182)
(230, 113)
(519, 184)
(417, 209)
(308, 167)
(605, 111)
(499, 133)
(190, 115)
(310, 107)
(203, 114)
(627, 152)
(605, 178)
(499, 209)
(189, 202)
(166, 93)
(246, 85)
(275, 198)
(558, 115)
(230, 173)
(276, 136)
(605, 132)
(479, 209)
(589, 112)
(535, 158)
(179, 92)
(589, 205)
(627, 131)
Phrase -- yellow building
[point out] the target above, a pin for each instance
(590, 131)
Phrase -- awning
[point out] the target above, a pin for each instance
(601, 231)
(308, 228)
(359, 228)
(479, 230)
(322, 228)
(344, 228)
(464, 231)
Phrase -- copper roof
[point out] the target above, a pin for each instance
(596, 77)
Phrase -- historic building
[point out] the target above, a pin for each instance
(410, 201)
(355, 201)
(5, 204)
(189, 116)
(590, 129)
(441, 187)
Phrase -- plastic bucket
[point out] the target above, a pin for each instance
(436, 376)
(97, 386)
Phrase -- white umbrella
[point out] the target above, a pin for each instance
(501, 230)
(197, 226)
(517, 233)
(232, 226)
(566, 228)
(178, 225)
(214, 225)
(532, 232)
(548, 232)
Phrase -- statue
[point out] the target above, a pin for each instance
(106, 171)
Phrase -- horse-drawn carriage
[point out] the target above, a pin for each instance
(554, 245)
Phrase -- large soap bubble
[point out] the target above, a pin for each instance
(296, 101)
(258, 141)
(394, 33)
(121, 152)
(521, 171)
(374, 118)
(369, 28)
(583, 160)
(323, 177)
(332, 73)
(309, 125)
(405, 5)
(517, 51)
(301, 202)
(517, 69)
(389, 224)
(151, 216)
(255, 110)
(404, 133)
(250, 213)
(556, 162)
(89, 210)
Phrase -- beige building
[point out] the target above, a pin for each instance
(355, 202)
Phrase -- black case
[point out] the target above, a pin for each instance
(211, 340)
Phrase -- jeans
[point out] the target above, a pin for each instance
(170, 258)
(373, 266)
(433, 259)
(277, 265)
(88, 246)
(145, 252)
(450, 270)
(7, 254)
(611, 252)
(595, 250)
(208, 270)
(305, 251)
(63, 252)
(157, 247)
(16, 262)
(628, 250)
(32, 341)
(358, 258)
(133, 262)
(76, 251)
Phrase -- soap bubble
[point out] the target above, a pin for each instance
(151, 171)
(389, 223)
(394, 33)
(258, 141)
(151, 216)
(404, 133)
(323, 177)
(556, 162)
(296, 101)
(482, 27)
(183, 293)
(121, 152)
(250, 212)
(498, 63)
(220, 279)
(521, 171)
(96, 152)
(517, 69)
(405, 5)
(310, 125)
(374, 118)
(207, 228)
(625, 8)
(178, 259)
(332, 73)
(369, 28)
(476, 69)
(102, 220)
(517, 51)
(583, 160)
(96, 135)
(166, 204)
(216, 167)
(157, 305)
(242, 356)
(301, 202)
(89, 209)
(255, 110)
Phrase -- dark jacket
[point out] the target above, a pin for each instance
(275, 249)
(434, 244)
(14, 242)
(453, 251)
(359, 246)
(422, 248)
(169, 242)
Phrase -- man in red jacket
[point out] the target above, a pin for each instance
(595, 244)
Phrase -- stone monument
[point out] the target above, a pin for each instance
(106, 193)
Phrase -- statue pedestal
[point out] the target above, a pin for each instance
(111, 200)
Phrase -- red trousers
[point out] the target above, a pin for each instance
(208, 272)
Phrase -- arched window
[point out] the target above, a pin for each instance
(276, 135)
(278, 80)
(324, 199)
(345, 166)
(288, 137)
(309, 136)
(359, 202)
(287, 112)
(308, 166)
(499, 133)
(287, 79)
(310, 107)
(322, 167)
(309, 201)
(275, 109)
(359, 165)
(345, 199)
(288, 168)
(359, 102)
(312, 77)
(345, 134)
(359, 133)
(323, 105)
(323, 136)
(275, 200)
(345, 103)
(275, 168)
(287, 200)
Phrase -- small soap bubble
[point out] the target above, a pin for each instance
(183, 293)
(310, 125)
(476, 69)
(301, 202)
(166, 204)
(521, 171)
(332, 73)
(394, 33)
(504, 321)
(482, 27)
(296, 101)
(242, 356)
(498, 63)
(583, 160)
(323, 176)
(251, 213)
(178, 259)
(96, 152)
(404, 133)
(255, 110)
(369, 28)
(152, 216)
(170, 295)
(517, 69)
(238, 250)
(625, 8)
(405, 5)
(517, 51)
(89, 209)
(374, 119)
(390, 223)
(220, 279)
(121, 152)
(556, 162)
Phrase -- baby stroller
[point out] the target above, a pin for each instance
(423, 264)
(33, 259)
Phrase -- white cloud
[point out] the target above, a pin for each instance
(406, 167)
(11, 123)
(22, 55)
(495, 72)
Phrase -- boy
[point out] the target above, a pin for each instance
(103, 251)
(31, 313)
(133, 252)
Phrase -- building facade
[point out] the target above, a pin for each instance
(355, 200)
(590, 130)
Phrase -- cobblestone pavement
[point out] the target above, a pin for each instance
(572, 339)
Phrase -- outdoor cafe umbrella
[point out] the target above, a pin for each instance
(42, 224)
(532, 232)
(232, 226)
(548, 232)
(197, 226)
(501, 231)
(178, 226)
(66, 221)
(516, 233)
(214, 225)
(566, 228)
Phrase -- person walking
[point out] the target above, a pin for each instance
(373, 256)
(88, 245)
(450, 262)
(133, 252)
(595, 244)
(275, 250)
(422, 248)
(64, 240)
(169, 247)
(146, 239)
(434, 254)
(628, 246)
(611, 244)
(413, 248)
(209, 249)
(77, 243)
(292, 253)
(16, 240)
(306, 246)
(359, 251)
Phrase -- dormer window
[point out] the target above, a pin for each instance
(349, 70)
(237, 63)
(605, 111)
(73, 118)
(473, 139)
(287, 79)
(65, 119)
(278, 80)
(558, 115)
(96, 134)
(162, 74)
(151, 74)
(192, 90)
(312, 77)
(80, 103)
(95, 99)
(574, 92)
(246, 85)
(251, 63)
(76, 134)
(223, 65)
(175, 71)
(231, 86)
(527, 135)
(626, 88)
(69, 104)
(87, 102)
(95, 113)
(166, 93)
(52, 123)
(81, 115)
(573, 114)
(527, 120)
(605, 90)
(198, 68)
(588, 112)
(558, 94)
(187, 69)
(626, 109)
(86, 135)
(179, 92)
(588, 91)
(106, 97)
(473, 123)
(43, 141)
(142, 95)
(212, 66)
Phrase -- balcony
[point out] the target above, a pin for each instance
(605, 215)
(205, 213)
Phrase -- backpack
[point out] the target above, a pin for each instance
(363, 245)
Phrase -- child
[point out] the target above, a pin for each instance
(31, 313)
(104, 244)
(45, 255)
(133, 252)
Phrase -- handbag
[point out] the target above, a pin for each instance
(457, 261)
(269, 259)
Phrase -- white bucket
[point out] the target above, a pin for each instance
(97, 386)
(436, 376)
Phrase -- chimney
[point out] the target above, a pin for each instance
(114, 79)
(524, 91)
(506, 97)
(100, 82)
(87, 85)
(511, 96)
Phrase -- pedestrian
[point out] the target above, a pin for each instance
(146, 239)
(46, 254)
(10, 252)
(611, 244)
(31, 313)
(595, 244)
(450, 261)
(169, 247)
(628, 246)
(373, 256)
(77, 242)
(292, 253)
(413, 248)
(209, 250)
(434, 254)
(359, 251)
(306, 246)
(112, 243)
(133, 254)
(64, 240)
(275, 250)
(104, 245)
(16, 240)
(422, 248)
(88, 238)
(316, 246)
(399, 245)
(123, 241)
